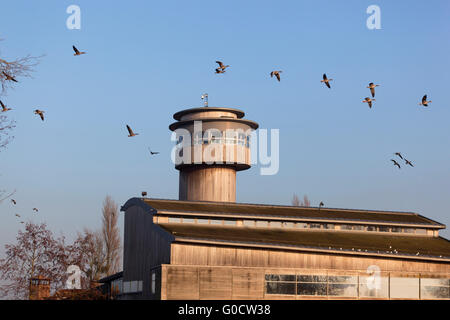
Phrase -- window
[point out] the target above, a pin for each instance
(249, 223)
(343, 286)
(373, 286)
(312, 285)
(404, 288)
(262, 223)
(421, 231)
(213, 221)
(434, 288)
(229, 222)
(275, 224)
(153, 288)
(328, 226)
(302, 225)
(383, 229)
(202, 221)
(280, 283)
(188, 220)
(289, 224)
(174, 220)
(396, 229)
(372, 228)
(314, 225)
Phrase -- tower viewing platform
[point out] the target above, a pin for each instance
(212, 144)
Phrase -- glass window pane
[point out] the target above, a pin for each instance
(312, 289)
(203, 221)
(312, 278)
(275, 224)
(289, 224)
(343, 279)
(212, 221)
(373, 287)
(174, 220)
(229, 222)
(261, 223)
(280, 277)
(280, 287)
(404, 288)
(249, 223)
(421, 231)
(343, 290)
(302, 225)
(188, 220)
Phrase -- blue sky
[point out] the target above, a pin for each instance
(148, 60)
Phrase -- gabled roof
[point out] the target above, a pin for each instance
(310, 213)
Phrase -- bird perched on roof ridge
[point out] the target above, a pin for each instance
(395, 163)
(369, 101)
(326, 80)
(4, 108)
(276, 73)
(130, 131)
(424, 101)
(40, 113)
(77, 52)
(9, 77)
(372, 88)
(321, 204)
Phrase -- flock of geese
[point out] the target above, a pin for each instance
(326, 81)
(14, 202)
(220, 70)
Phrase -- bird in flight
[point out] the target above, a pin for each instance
(399, 154)
(35, 210)
(395, 163)
(22, 222)
(13, 201)
(326, 80)
(276, 73)
(4, 108)
(40, 113)
(424, 101)
(218, 70)
(408, 163)
(372, 88)
(9, 77)
(144, 193)
(77, 52)
(153, 152)
(130, 131)
(17, 215)
(221, 66)
(369, 101)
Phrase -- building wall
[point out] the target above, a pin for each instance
(146, 245)
(209, 255)
(228, 282)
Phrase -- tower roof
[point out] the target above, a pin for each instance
(177, 116)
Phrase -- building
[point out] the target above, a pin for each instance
(206, 246)
(39, 288)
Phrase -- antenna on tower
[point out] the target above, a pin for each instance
(205, 98)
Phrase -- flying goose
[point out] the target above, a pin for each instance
(408, 162)
(17, 215)
(4, 108)
(153, 152)
(35, 209)
(9, 77)
(276, 73)
(221, 65)
(372, 88)
(13, 201)
(395, 163)
(399, 154)
(326, 80)
(77, 52)
(40, 113)
(369, 101)
(424, 101)
(218, 70)
(130, 131)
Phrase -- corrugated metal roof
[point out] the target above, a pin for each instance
(289, 211)
(357, 242)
